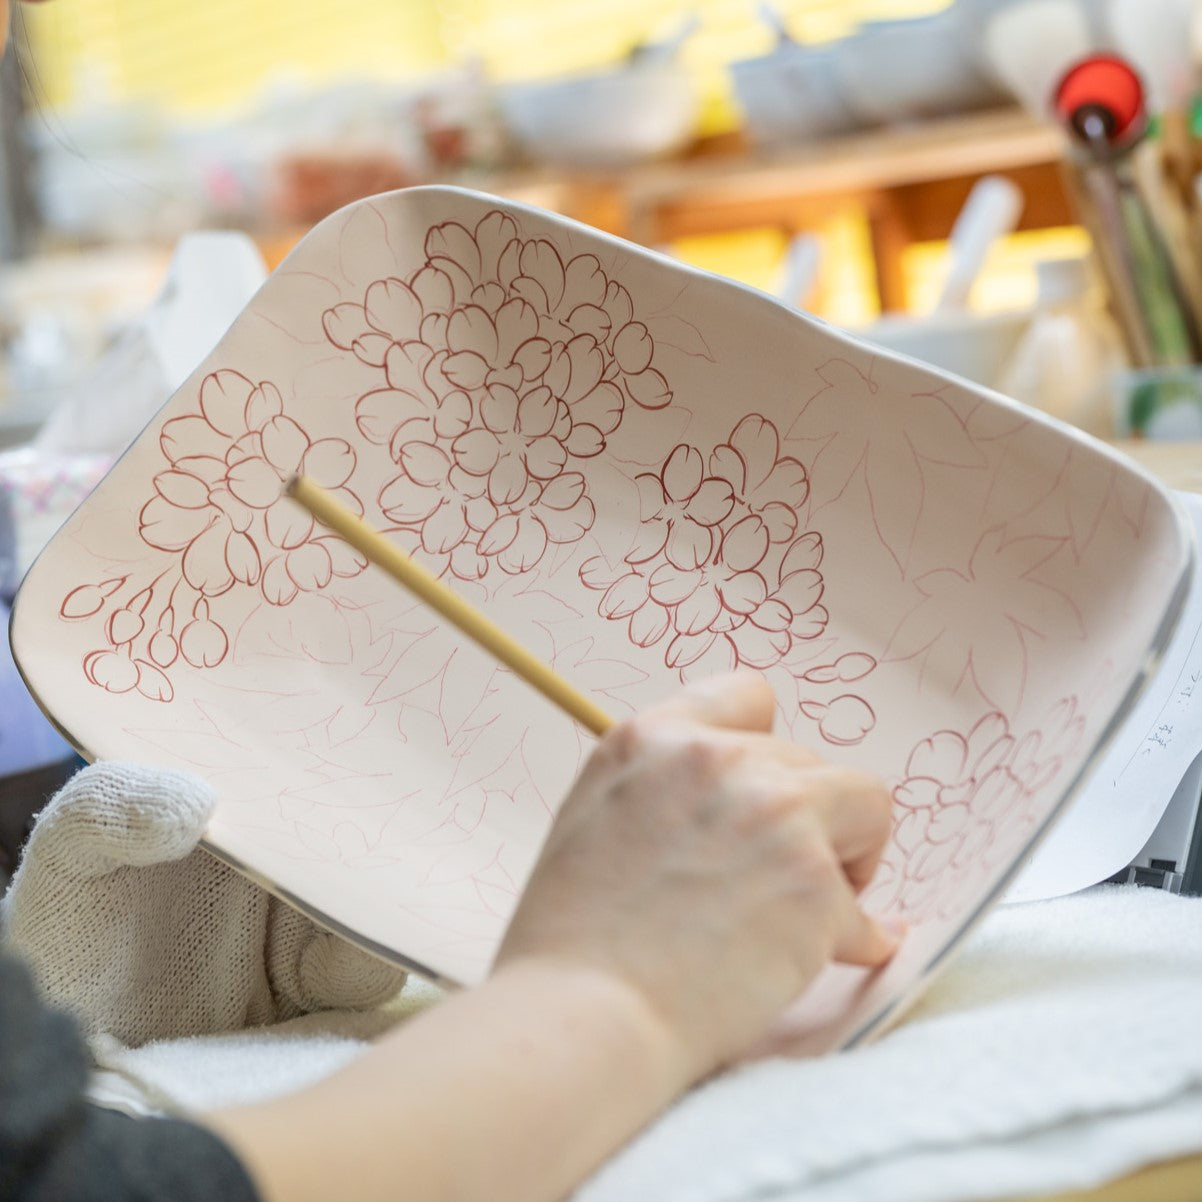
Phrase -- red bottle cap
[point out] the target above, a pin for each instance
(1102, 95)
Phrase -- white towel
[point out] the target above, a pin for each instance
(1063, 1047)
(1058, 1017)
(186, 1076)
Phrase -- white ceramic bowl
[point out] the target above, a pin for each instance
(915, 68)
(792, 95)
(607, 118)
(973, 346)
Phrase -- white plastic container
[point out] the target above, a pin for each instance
(1065, 361)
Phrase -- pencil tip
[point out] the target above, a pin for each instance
(290, 485)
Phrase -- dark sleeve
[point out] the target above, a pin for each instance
(57, 1147)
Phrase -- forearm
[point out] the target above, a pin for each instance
(515, 1090)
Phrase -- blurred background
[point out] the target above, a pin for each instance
(896, 167)
(147, 118)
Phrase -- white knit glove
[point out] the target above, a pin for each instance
(143, 935)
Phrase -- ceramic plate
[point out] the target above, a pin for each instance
(643, 472)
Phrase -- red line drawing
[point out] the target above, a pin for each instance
(966, 801)
(505, 365)
(716, 566)
(219, 520)
(856, 433)
(978, 623)
(519, 415)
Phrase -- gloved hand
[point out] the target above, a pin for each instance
(143, 935)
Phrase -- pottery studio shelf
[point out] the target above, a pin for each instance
(908, 181)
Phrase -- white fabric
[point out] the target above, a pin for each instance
(144, 936)
(1018, 1072)
(186, 1076)
(1061, 1049)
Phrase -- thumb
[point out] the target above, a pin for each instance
(313, 969)
(735, 700)
(868, 941)
(114, 814)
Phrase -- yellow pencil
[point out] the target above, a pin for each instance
(446, 602)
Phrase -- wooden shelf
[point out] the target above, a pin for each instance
(909, 181)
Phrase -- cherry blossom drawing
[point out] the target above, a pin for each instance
(503, 365)
(966, 801)
(843, 721)
(506, 367)
(218, 520)
(717, 570)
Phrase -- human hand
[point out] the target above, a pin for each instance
(143, 935)
(710, 867)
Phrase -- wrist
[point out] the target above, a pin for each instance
(610, 1010)
(450, 1101)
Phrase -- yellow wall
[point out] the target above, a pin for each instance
(207, 55)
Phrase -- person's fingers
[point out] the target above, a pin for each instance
(313, 969)
(735, 700)
(856, 813)
(865, 940)
(114, 814)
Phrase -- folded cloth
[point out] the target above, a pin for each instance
(1060, 1049)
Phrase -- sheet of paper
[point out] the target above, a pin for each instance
(1117, 810)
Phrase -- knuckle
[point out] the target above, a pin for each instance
(764, 805)
(626, 740)
(777, 818)
(680, 759)
(697, 756)
(876, 800)
(633, 744)
(813, 861)
(705, 758)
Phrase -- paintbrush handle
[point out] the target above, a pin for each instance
(448, 603)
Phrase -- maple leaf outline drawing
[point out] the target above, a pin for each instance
(976, 624)
(886, 436)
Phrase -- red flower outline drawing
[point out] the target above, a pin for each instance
(504, 366)
(218, 514)
(717, 567)
(959, 791)
(679, 507)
